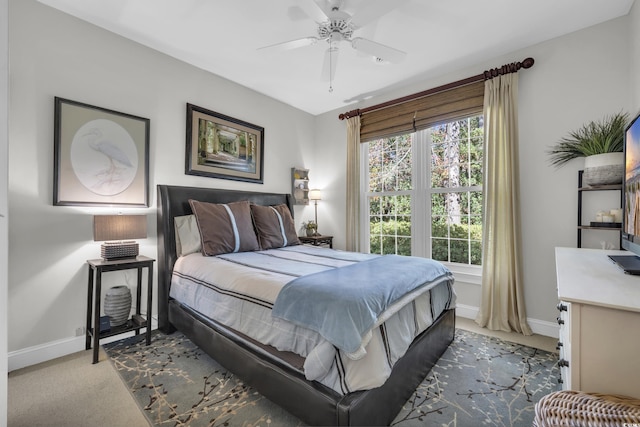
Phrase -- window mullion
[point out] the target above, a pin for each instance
(421, 207)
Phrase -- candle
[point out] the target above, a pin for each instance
(617, 214)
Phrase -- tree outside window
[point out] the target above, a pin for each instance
(453, 188)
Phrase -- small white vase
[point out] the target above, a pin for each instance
(602, 169)
(117, 305)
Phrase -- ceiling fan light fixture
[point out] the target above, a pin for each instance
(336, 26)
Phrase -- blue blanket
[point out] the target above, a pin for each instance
(344, 303)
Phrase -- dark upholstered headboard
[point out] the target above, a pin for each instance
(173, 201)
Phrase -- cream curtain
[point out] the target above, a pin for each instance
(502, 307)
(353, 184)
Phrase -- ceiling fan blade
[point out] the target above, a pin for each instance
(313, 10)
(374, 10)
(292, 44)
(296, 14)
(329, 64)
(378, 50)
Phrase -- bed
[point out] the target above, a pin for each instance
(276, 374)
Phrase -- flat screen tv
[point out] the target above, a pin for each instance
(630, 238)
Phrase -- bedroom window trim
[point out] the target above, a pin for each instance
(420, 204)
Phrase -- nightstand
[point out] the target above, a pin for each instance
(317, 240)
(137, 322)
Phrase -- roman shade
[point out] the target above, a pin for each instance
(422, 113)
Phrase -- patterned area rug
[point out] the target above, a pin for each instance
(479, 380)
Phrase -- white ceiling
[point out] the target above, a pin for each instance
(224, 37)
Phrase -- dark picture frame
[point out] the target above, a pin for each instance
(219, 146)
(101, 156)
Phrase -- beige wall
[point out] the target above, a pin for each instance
(634, 18)
(576, 78)
(4, 114)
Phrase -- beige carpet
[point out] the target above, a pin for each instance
(536, 341)
(71, 392)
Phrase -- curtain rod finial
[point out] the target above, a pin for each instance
(527, 63)
(349, 114)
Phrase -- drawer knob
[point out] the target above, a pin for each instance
(561, 307)
(563, 363)
(560, 321)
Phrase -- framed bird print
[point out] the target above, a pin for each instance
(101, 156)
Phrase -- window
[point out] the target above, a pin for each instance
(424, 193)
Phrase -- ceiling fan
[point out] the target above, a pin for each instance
(336, 25)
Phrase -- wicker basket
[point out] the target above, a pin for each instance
(578, 409)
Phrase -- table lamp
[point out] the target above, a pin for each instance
(117, 231)
(315, 196)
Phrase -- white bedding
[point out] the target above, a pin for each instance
(238, 290)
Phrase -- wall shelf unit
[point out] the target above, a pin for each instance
(300, 186)
(586, 189)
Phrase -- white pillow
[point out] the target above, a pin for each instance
(187, 235)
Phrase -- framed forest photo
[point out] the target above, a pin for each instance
(101, 156)
(220, 146)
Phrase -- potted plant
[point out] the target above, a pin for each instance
(311, 228)
(601, 144)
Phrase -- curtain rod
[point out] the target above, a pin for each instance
(487, 75)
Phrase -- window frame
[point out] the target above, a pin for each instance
(420, 204)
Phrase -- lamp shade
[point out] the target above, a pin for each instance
(119, 227)
(315, 195)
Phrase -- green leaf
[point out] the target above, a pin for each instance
(605, 136)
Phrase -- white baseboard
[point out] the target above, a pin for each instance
(540, 327)
(467, 311)
(52, 350)
(543, 327)
(43, 352)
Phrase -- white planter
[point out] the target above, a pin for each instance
(602, 169)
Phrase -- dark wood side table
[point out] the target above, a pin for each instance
(317, 240)
(137, 322)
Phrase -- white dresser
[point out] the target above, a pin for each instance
(599, 323)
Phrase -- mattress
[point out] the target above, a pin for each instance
(239, 290)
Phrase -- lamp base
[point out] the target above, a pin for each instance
(118, 250)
